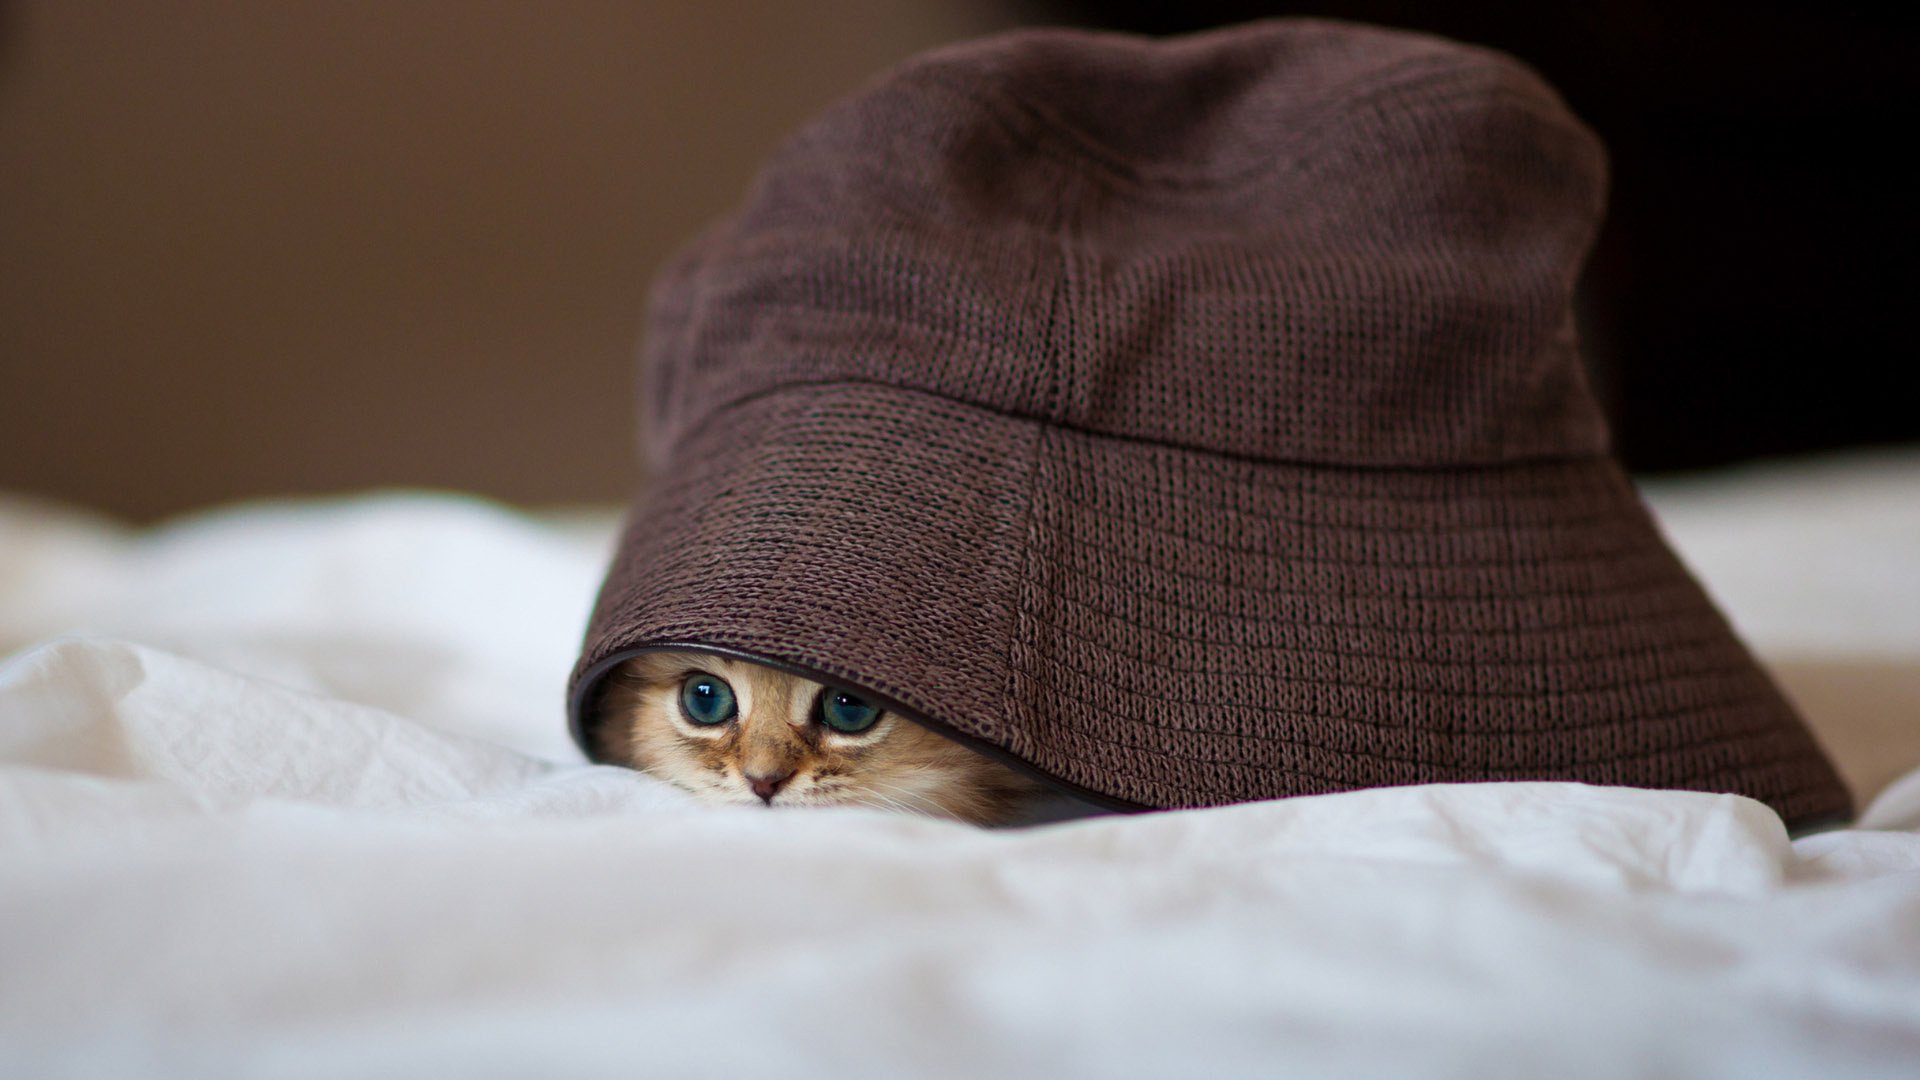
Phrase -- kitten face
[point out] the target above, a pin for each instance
(738, 733)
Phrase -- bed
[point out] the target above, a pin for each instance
(284, 792)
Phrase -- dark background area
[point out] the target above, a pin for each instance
(252, 250)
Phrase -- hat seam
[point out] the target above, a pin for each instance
(1061, 299)
(1310, 484)
(785, 385)
(1552, 491)
(1018, 624)
(1571, 523)
(1637, 546)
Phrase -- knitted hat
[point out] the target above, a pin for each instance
(1193, 421)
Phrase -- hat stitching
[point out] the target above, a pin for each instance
(955, 410)
(1638, 614)
(1423, 767)
(1334, 755)
(1627, 547)
(1234, 513)
(1250, 474)
(1063, 327)
(1228, 457)
(1638, 608)
(1127, 554)
(1059, 306)
(1647, 585)
(1478, 663)
(1680, 716)
(1523, 772)
(1541, 694)
(841, 323)
(809, 316)
(1242, 504)
(1017, 619)
(1262, 485)
(1650, 584)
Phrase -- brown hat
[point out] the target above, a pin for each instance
(1195, 421)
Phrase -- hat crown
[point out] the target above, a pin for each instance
(1290, 241)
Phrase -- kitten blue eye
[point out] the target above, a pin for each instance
(845, 713)
(707, 700)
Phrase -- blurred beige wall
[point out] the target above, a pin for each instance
(289, 247)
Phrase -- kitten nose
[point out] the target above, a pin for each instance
(765, 785)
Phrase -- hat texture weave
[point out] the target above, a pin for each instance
(1194, 421)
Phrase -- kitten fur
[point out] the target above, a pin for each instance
(896, 764)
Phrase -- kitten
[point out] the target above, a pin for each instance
(742, 734)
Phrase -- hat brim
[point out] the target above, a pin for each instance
(1155, 626)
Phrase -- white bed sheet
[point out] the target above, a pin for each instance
(286, 791)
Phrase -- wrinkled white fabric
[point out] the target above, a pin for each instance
(285, 792)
